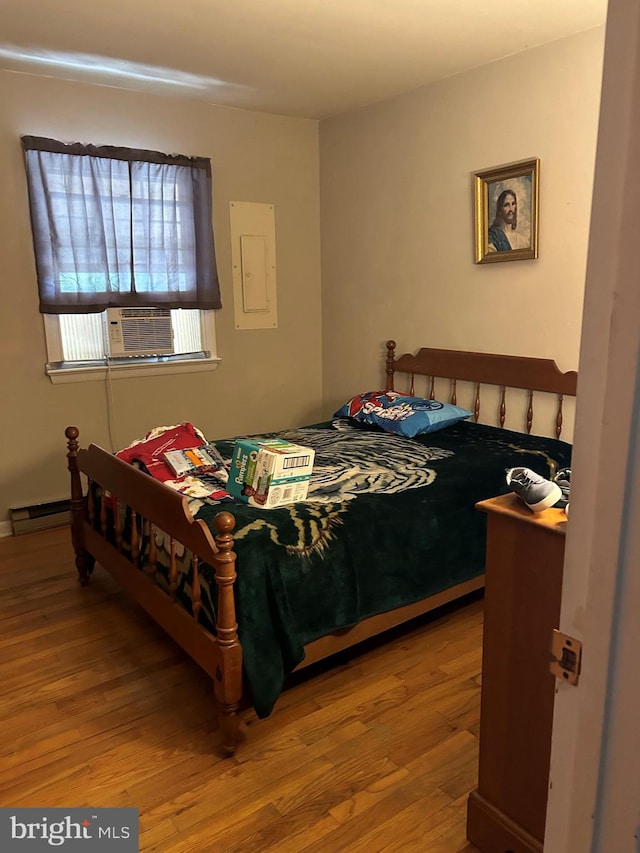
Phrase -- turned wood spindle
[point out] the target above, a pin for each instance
(104, 527)
(391, 350)
(153, 550)
(173, 570)
(91, 504)
(530, 413)
(559, 417)
(412, 387)
(432, 389)
(84, 563)
(503, 405)
(476, 404)
(117, 523)
(135, 539)
(196, 598)
(454, 396)
(228, 680)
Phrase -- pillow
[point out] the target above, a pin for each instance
(400, 413)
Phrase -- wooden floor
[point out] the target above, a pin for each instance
(99, 708)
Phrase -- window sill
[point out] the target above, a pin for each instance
(95, 373)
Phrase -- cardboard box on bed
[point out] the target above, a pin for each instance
(270, 472)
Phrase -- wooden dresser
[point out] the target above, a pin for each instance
(525, 554)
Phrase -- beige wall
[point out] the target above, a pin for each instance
(396, 221)
(397, 215)
(267, 380)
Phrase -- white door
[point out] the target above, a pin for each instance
(594, 797)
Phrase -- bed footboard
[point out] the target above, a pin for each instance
(153, 507)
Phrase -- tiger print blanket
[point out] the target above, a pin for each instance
(388, 521)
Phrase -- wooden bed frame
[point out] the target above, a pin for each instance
(157, 506)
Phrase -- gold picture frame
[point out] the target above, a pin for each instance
(506, 212)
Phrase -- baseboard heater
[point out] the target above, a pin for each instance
(29, 519)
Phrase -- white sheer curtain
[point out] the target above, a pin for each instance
(119, 227)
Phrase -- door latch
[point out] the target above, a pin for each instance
(566, 657)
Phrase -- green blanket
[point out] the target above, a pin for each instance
(389, 521)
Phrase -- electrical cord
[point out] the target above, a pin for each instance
(110, 407)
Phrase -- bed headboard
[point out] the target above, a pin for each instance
(504, 371)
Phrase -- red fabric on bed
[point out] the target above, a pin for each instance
(150, 452)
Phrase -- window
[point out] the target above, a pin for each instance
(78, 347)
(121, 233)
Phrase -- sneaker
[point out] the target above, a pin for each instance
(534, 490)
(563, 479)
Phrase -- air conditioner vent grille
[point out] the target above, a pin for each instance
(140, 331)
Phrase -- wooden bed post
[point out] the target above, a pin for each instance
(228, 677)
(84, 562)
(391, 353)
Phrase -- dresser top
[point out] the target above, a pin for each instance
(511, 505)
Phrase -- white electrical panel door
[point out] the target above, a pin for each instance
(253, 260)
(255, 293)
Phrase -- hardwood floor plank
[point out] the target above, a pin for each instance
(370, 831)
(375, 751)
(368, 797)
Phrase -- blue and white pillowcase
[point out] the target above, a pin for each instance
(401, 413)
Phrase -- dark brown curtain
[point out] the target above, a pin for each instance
(120, 227)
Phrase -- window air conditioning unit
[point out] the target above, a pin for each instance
(139, 331)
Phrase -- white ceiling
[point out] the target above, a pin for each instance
(312, 58)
